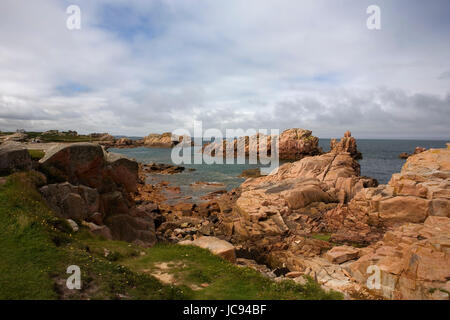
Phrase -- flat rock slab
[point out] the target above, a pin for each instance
(342, 254)
(218, 247)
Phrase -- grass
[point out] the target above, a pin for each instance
(322, 236)
(64, 138)
(36, 154)
(36, 248)
(191, 267)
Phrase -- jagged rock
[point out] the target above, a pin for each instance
(13, 157)
(347, 144)
(218, 247)
(71, 202)
(417, 150)
(421, 189)
(294, 144)
(413, 261)
(404, 155)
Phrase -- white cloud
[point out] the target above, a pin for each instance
(153, 66)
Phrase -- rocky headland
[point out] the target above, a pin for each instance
(294, 144)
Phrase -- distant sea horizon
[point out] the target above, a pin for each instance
(387, 139)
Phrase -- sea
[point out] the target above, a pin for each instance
(380, 161)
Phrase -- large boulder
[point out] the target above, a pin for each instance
(342, 254)
(13, 157)
(88, 164)
(218, 247)
(78, 163)
(98, 188)
(123, 171)
(71, 202)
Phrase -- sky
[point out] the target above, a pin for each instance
(137, 67)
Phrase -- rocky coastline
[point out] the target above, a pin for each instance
(317, 216)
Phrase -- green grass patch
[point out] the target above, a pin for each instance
(193, 267)
(36, 248)
(36, 154)
(322, 236)
(65, 138)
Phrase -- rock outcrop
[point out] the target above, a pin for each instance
(98, 187)
(296, 220)
(164, 140)
(294, 144)
(347, 144)
(342, 254)
(13, 157)
(421, 189)
(162, 168)
(417, 150)
(70, 201)
(274, 215)
(412, 261)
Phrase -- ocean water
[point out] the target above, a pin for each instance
(380, 161)
(380, 157)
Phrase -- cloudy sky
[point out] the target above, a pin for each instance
(137, 67)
